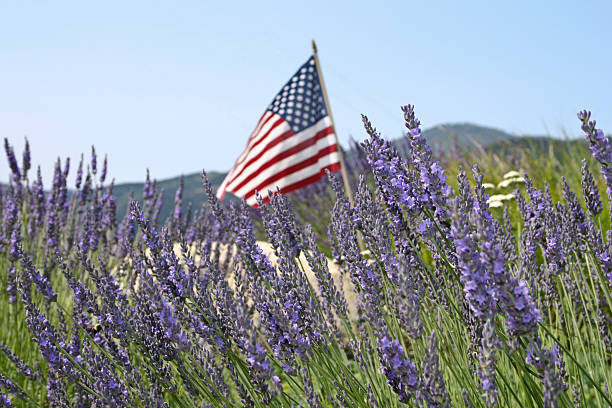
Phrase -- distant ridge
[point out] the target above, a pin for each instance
(463, 135)
(193, 192)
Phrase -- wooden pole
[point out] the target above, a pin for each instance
(347, 186)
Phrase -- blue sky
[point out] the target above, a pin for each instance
(178, 86)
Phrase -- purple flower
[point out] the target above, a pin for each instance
(394, 180)
(148, 193)
(10, 155)
(27, 159)
(38, 209)
(43, 332)
(401, 373)
(311, 396)
(57, 396)
(66, 168)
(550, 365)
(176, 220)
(577, 218)
(433, 389)
(5, 401)
(79, 175)
(600, 147)
(165, 264)
(104, 169)
(512, 294)
(11, 284)
(94, 161)
(476, 278)
(10, 386)
(523, 315)
(109, 210)
(400, 266)
(31, 275)
(435, 188)
(590, 191)
(365, 277)
(10, 212)
(259, 363)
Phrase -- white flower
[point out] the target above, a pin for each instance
(488, 185)
(507, 182)
(512, 174)
(498, 199)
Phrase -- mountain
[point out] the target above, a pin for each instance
(462, 135)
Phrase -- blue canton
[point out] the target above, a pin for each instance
(300, 102)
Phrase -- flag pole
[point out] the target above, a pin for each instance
(347, 186)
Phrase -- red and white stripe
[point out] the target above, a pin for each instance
(276, 157)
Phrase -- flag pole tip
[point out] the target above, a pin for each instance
(314, 46)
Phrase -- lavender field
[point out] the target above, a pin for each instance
(476, 279)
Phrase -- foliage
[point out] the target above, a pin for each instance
(456, 303)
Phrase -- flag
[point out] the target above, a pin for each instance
(292, 145)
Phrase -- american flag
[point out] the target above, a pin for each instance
(292, 145)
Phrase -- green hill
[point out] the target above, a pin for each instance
(461, 135)
(193, 192)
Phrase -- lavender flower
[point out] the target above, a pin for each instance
(370, 217)
(157, 316)
(332, 298)
(26, 163)
(550, 365)
(44, 333)
(590, 191)
(165, 264)
(577, 217)
(311, 396)
(477, 278)
(11, 284)
(176, 223)
(401, 373)
(66, 168)
(394, 180)
(104, 170)
(5, 401)
(30, 275)
(148, 193)
(433, 389)
(478, 291)
(11, 387)
(94, 161)
(10, 213)
(79, 175)
(10, 155)
(37, 195)
(259, 366)
(600, 147)
(512, 294)
(365, 277)
(57, 394)
(435, 188)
